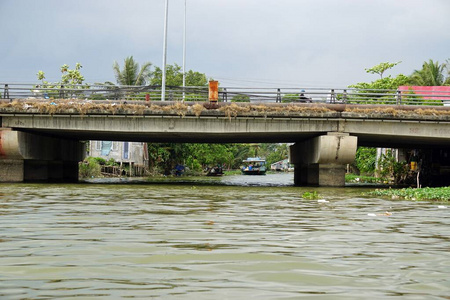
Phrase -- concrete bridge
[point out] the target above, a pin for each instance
(42, 139)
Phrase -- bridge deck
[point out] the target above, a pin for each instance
(388, 126)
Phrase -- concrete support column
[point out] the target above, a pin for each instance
(319, 175)
(11, 170)
(322, 161)
(33, 158)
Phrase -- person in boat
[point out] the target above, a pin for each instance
(179, 169)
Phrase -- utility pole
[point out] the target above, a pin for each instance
(166, 21)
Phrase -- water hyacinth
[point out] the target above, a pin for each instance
(437, 194)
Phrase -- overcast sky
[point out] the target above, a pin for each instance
(286, 43)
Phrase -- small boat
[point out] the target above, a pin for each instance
(215, 171)
(254, 166)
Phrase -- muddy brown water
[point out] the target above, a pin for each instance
(234, 237)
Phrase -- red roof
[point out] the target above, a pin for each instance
(428, 92)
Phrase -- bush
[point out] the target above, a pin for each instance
(99, 160)
(89, 168)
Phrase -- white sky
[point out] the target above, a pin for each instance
(285, 43)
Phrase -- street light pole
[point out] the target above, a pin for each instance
(166, 21)
(184, 53)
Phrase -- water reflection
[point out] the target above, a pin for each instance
(217, 239)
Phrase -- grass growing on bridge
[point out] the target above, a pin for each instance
(436, 194)
(396, 111)
(83, 107)
(229, 110)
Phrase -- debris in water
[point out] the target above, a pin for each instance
(386, 214)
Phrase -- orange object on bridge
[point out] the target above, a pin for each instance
(213, 91)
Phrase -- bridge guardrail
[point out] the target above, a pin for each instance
(13, 91)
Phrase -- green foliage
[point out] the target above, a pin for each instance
(372, 92)
(174, 77)
(71, 79)
(386, 83)
(389, 167)
(90, 167)
(381, 68)
(431, 74)
(131, 73)
(362, 179)
(274, 152)
(438, 194)
(71, 76)
(290, 98)
(310, 195)
(111, 162)
(99, 160)
(164, 156)
(240, 98)
(365, 160)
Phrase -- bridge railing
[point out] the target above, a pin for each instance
(13, 91)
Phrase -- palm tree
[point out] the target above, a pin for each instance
(447, 67)
(431, 74)
(131, 74)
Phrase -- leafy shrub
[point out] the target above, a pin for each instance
(89, 168)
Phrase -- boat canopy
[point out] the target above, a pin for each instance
(254, 159)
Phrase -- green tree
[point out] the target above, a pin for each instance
(71, 81)
(447, 67)
(274, 152)
(372, 92)
(174, 77)
(365, 160)
(69, 76)
(431, 74)
(131, 73)
(381, 68)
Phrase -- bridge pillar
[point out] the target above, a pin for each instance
(321, 161)
(26, 157)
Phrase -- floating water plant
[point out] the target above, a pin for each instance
(310, 195)
(439, 194)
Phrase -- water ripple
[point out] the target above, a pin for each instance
(199, 241)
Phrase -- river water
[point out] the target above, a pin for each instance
(236, 237)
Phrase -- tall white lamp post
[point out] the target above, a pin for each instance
(166, 21)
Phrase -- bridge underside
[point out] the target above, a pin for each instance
(181, 137)
(35, 146)
(366, 140)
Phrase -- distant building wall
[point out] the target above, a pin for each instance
(122, 152)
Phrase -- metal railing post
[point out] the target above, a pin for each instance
(278, 96)
(399, 97)
(6, 92)
(344, 96)
(225, 95)
(61, 92)
(332, 96)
